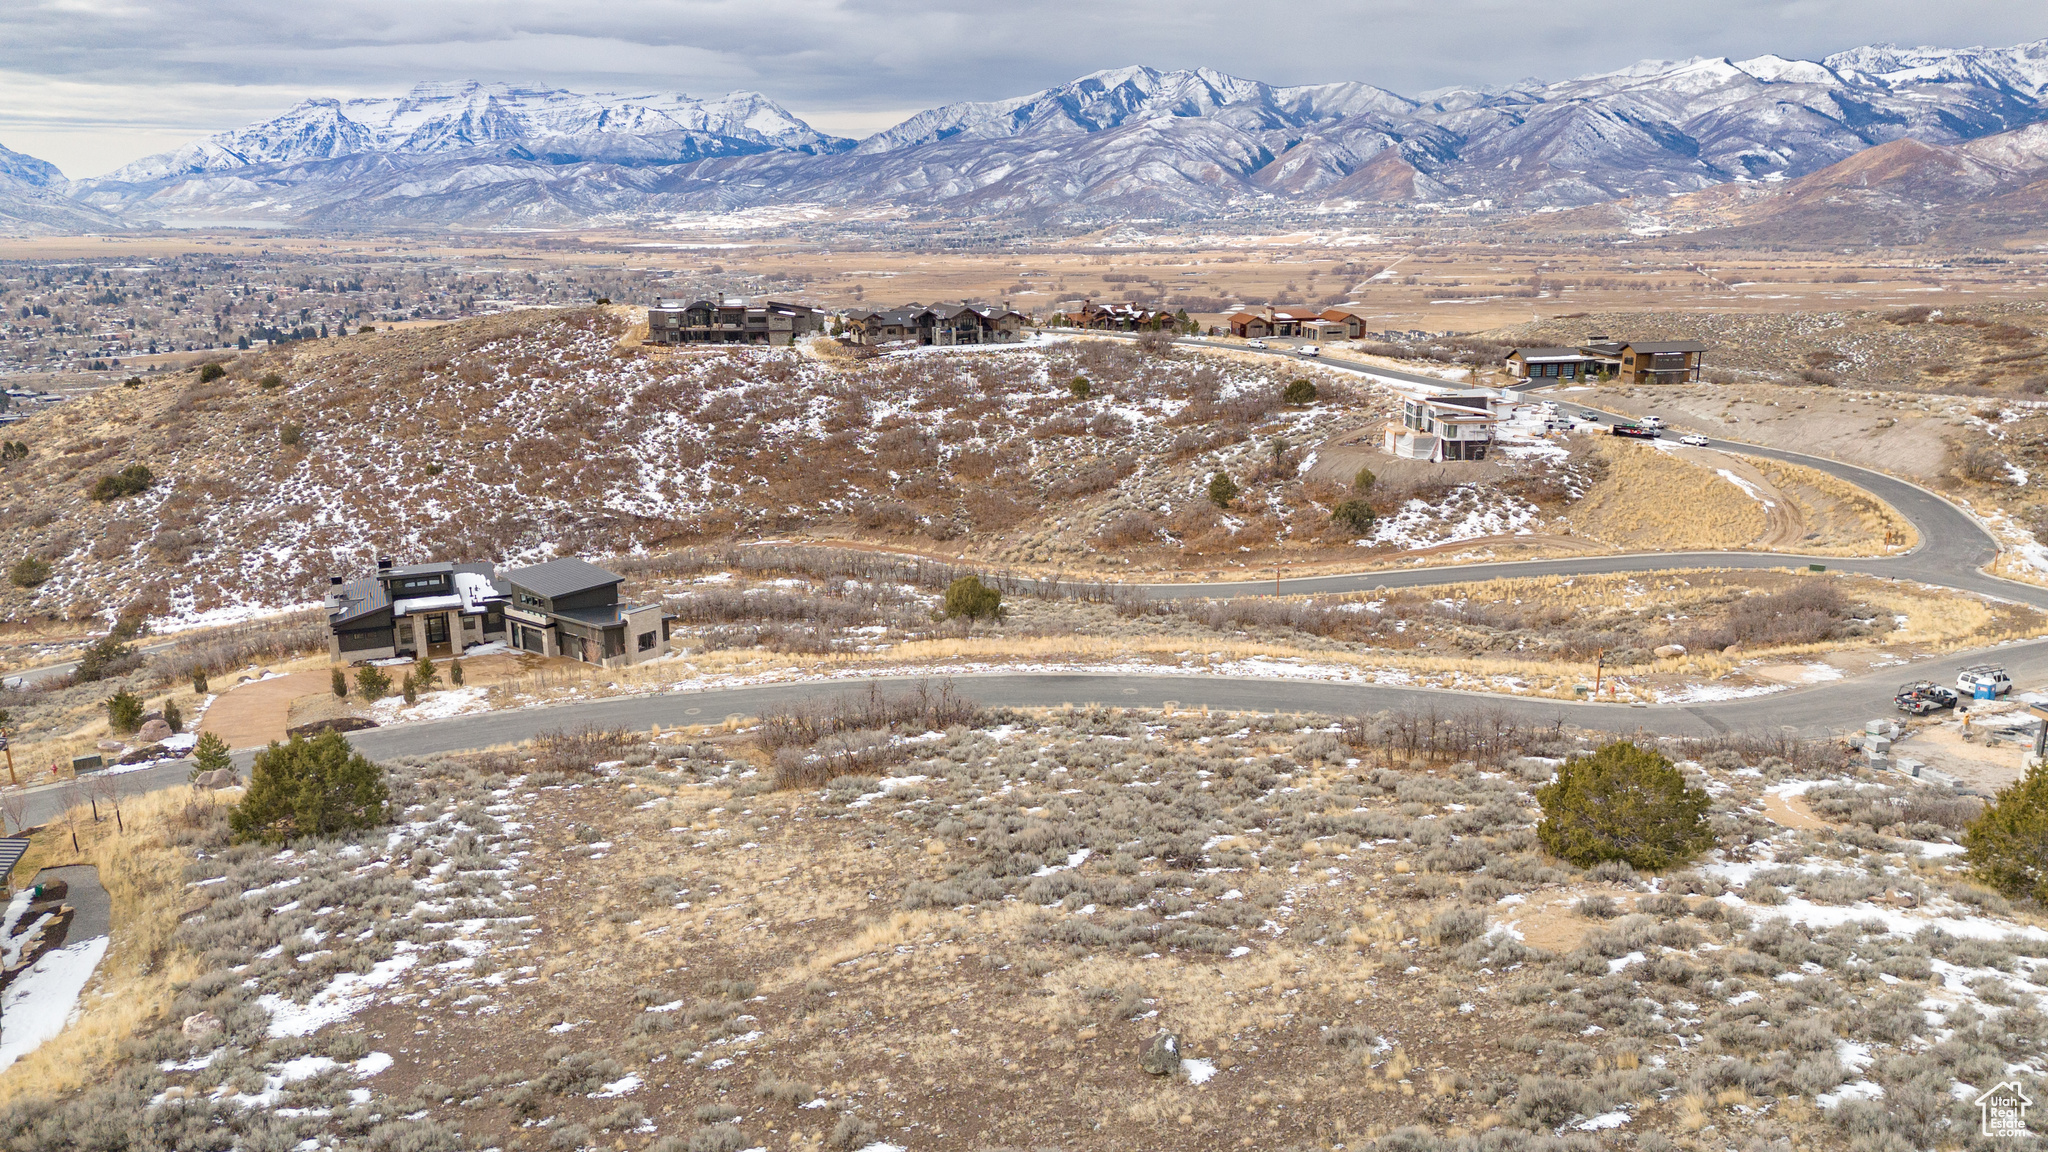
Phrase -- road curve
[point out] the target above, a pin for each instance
(1952, 552)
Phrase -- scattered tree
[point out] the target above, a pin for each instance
(317, 787)
(210, 754)
(104, 657)
(13, 450)
(424, 675)
(1222, 489)
(124, 711)
(174, 716)
(410, 689)
(338, 681)
(1300, 393)
(1079, 387)
(455, 671)
(1353, 516)
(1623, 803)
(199, 681)
(1362, 483)
(372, 684)
(211, 371)
(28, 572)
(290, 435)
(2007, 845)
(270, 381)
(969, 599)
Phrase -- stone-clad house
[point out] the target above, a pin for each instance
(567, 607)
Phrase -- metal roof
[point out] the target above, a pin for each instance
(1551, 353)
(11, 850)
(564, 577)
(1666, 346)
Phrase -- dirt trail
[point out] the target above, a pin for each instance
(1784, 520)
(254, 714)
(1792, 812)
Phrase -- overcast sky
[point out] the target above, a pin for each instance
(92, 84)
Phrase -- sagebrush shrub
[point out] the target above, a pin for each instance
(1623, 803)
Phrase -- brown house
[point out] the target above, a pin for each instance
(1353, 323)
(1662, 361)
(1249, 325)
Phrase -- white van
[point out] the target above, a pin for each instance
(1993, 674)
(1651, 421)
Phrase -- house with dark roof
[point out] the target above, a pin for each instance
(944, 325)
(414, 610)
(1555, 364)
(770, 322)
(1661, 361)
(566, 607)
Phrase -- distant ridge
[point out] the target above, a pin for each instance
(1113, 144)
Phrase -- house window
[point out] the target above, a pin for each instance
(647, 641)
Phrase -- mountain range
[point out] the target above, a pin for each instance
(1128, 143)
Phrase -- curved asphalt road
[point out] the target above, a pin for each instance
(1952, 552)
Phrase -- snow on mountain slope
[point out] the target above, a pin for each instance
(34, 200)
(1111, 143)
(536, 123)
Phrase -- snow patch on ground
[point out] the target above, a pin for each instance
(44, 999)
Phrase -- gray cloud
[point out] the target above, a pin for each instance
(92, 84)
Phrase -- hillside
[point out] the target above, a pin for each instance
(958, 927)
(534, 433)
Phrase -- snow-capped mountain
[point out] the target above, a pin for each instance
(547, 124)
(1114, 143)
(33, 199)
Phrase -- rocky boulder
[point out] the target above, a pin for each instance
(1161, 1056)
(155, 731)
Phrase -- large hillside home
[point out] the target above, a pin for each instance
(566, 607)
(571, 608)
(419, 609)
(1662, 361)
(730, 322)
(942, 325)
(1456, 425)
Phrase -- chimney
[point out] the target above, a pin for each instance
(383, 563)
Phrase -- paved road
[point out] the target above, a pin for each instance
(92, 911)
(30, 677)
(1952, 550)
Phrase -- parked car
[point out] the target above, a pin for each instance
(1255, 343)
(1651, 421)
(1994, 674)
(1636, 430)
(1308, 350)
(1694, 441)
(1921, 697)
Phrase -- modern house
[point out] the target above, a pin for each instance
(730, 322)
(565, 607)
(1633, 361)
(943, 325)
(1662, 361)
(419, 609)
(1555, 363)
(1450, 425)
